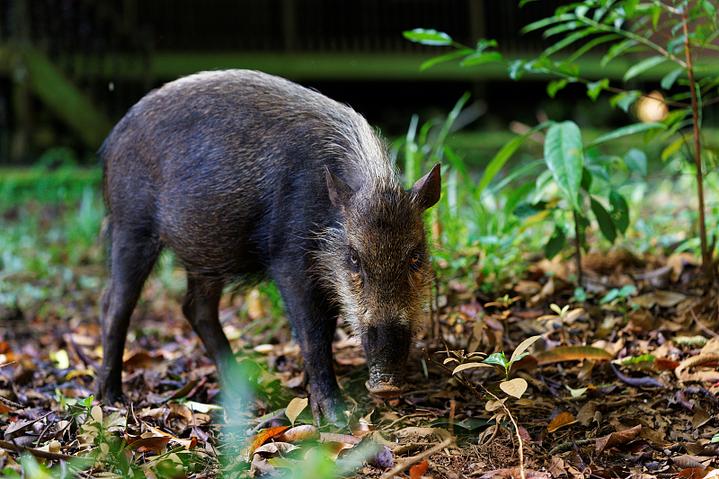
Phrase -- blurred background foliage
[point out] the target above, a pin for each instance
(70, 69)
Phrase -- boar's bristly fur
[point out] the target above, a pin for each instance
(245, 175)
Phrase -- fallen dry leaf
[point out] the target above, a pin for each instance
(572, 353)
(264, 436)
(617, 438)
(295, 408)
(514, 473)
(665, 299)
(418, 470)
(305, 432)
(514, 387)
(562, 419)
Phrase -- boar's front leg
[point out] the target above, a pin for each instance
(314, 320)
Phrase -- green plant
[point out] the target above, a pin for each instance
(498, 361)
(510, 387)
(656, 34)
(473, 227)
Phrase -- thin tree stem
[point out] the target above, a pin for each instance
(706, 254)
(578, 247)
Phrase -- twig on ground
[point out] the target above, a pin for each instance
(409, 462)
(567, 446)
(10, 403)
(56, 456)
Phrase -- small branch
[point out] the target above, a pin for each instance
(415, 459)
(633, 36)
(10, 403)
(614, 89)
(55, 456)
(706, 254)
(578, 248)
(569, 445)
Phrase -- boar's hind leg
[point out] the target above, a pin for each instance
(314, 321)
(132, 256)
(201, 310)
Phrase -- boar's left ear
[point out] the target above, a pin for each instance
(339, 191)
(427, 189)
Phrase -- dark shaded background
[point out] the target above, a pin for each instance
(113, 52)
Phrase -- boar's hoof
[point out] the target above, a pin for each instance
(385, 386)
(384, 390)
(110, 395)
(328, 409)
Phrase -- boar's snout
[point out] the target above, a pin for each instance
(387, 347)
(384, 385)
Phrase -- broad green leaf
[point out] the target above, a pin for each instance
(572, 353)
(591, 44)
(580, 294)
(669, 79)
(555, 85)
(466, 366)
(568, 40)
(626, 131)
(595, 88)
(636, 160)
(616, 50)
(428, 37)
(710, 9)
(484, 43)
(481, 58)
(515, 196)
(656, 14)
(33, 469)
(606, 225)
(504, 154)
(522, 347)
(514, 387)
(545, 22)
(642, 66)
(630, 7)
(295, 408)
(625, 99)
(516, 69)
(676, 117)
(620, 211)
(672, 148)
(445, 58)
(564, 27)
(525, 210)
(556, 242)
(496, 359)
(564, 156)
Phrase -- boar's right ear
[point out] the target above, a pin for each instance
(427, 189)
(339, 191)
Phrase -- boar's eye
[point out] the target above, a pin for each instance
(354, 259)
(415, 260)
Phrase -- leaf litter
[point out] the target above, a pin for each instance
(624, 383)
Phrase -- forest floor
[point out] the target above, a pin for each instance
(622, 383)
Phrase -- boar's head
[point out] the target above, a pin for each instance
(376, 262)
